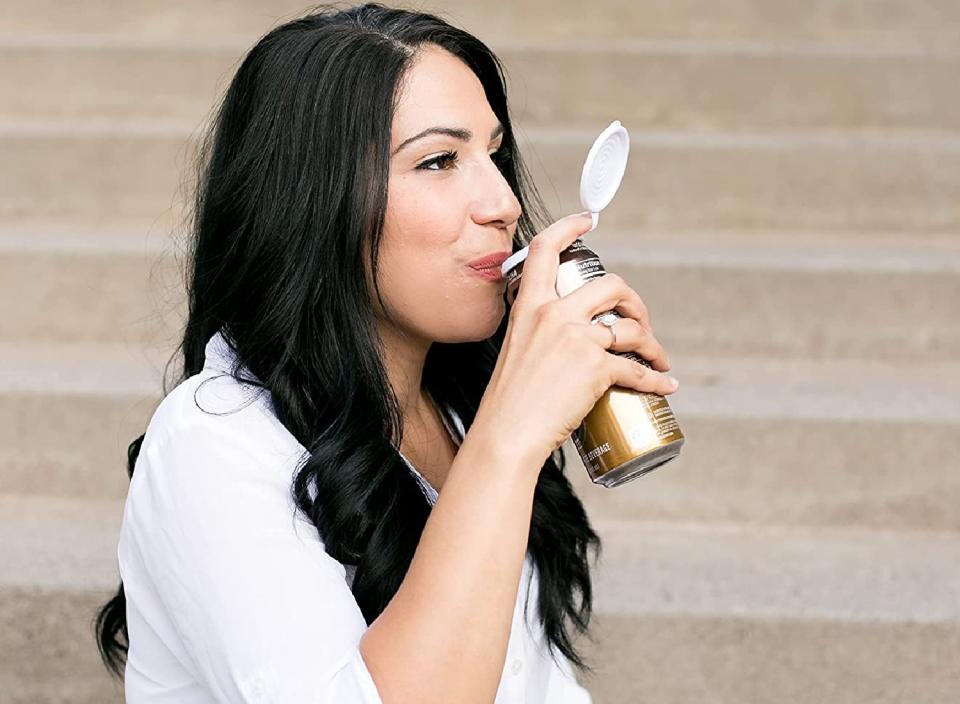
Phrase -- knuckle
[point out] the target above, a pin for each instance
(640, 303)
(650, 345)
(644, 311)
(640, 369)
(617, 282)
(634, 334)
(613, 280)
(635, 329)
(538, 243)
(546, 314)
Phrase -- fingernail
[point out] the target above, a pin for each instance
(586, 214)
(673, 382)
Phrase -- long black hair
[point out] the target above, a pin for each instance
(290, 199)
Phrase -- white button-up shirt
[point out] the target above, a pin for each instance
(231, 596)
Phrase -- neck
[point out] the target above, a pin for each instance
(404, 360)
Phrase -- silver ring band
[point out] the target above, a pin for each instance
(609, 319)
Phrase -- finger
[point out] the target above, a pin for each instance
(633, 375)
(539, 281)
(607, 292)
(632, 337)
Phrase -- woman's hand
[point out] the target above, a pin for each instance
(554, 365)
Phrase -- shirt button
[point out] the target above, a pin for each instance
(517, 665)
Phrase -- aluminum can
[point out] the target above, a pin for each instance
(628, 432)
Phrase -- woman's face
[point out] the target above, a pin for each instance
(443, 213)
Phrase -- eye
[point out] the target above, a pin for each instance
(446, 157)
(500, 157)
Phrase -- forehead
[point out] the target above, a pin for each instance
(439, 89)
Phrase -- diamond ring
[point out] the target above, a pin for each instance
(609, 319)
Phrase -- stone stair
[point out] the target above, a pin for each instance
(790, 216)
(693, 611)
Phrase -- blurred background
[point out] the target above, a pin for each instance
(790, 214)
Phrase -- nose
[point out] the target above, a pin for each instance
(500, 207)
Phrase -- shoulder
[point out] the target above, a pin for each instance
(211, 441)
(214, 459)
(212, 403)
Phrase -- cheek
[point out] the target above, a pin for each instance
(474, 305)
(421, 279)
(422, 215)
(443, 302)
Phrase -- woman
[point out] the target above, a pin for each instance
(355, 493)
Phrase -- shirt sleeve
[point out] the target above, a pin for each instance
(264, 613)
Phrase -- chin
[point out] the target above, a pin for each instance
(492, 322)
(483, 321)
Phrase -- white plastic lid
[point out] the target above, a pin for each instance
(514, 259)
(601, 176)
(603, 170)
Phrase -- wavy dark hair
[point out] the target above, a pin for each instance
(290, 199)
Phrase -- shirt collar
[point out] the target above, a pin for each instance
(219, 356)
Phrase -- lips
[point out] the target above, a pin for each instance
(490, 261)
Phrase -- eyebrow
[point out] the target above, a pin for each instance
(464, 135)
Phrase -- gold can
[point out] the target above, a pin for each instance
(627, 433)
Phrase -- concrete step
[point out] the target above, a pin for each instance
(769, 442)
(886, 22)
(692, 613)
(102, 174)
(687, 86)
(680, 660)
(49, 647)
(815, 443)
(884, 296)
(647, 85)
(59, 567)
(674, 180)
(111, 285)
(812, 295)
(759, 614)
(803, 181)
(68, 412)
